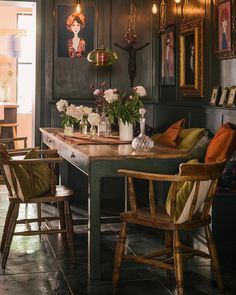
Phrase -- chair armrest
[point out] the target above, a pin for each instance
(22, 152)
(33, 161)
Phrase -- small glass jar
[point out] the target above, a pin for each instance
(93, 131)
(83, 126)
(104, 126)
(142, 142)
(68, 129)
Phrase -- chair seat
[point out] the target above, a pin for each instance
(163, 221)
(62, 194)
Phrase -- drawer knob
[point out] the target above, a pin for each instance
(72, 155)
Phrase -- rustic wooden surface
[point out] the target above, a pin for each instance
(118, 151)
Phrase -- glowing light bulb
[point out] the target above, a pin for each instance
(154, 8)
(177, 1)
(78, 8)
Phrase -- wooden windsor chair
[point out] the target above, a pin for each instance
(54, 194)
(195, 214)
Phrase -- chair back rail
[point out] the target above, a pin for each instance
(7, 169)
(195, 173)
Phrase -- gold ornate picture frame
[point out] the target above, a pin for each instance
(191, 59)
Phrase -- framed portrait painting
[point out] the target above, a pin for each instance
(226, 36)
(168, 56)
(191, 59)
(75, 31)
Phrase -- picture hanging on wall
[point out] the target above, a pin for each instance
(168, 56)
(191, 59)
(232, 96)
(75, 31)
(215, 95)
(226, 35)
(224, 97)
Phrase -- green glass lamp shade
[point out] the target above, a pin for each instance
(102, 57)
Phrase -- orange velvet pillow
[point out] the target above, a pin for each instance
(171, 135)
(221, 145)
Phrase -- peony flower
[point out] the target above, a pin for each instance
(87, 111)
(140, 90)
(98, 92)
(74, 112)
(110, 95)
(62, 105)
(94, 119)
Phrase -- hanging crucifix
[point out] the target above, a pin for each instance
(130, 38)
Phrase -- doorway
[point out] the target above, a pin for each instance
(17, 62)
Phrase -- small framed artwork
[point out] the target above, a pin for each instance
(215, 95)
(191, 59)
(168, 56)
(224, 97)
(225, 41)
(231, 98)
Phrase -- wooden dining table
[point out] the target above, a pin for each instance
(102, 157)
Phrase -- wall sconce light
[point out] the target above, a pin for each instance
(177, 1)
(78, 6)
(154, 8)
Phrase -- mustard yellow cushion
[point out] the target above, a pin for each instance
(183, 191)
(189, 137)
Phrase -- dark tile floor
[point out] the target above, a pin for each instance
(42, 266)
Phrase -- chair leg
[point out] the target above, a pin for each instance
(169, 245)
(69, 230)
(178, 263)
(6, 225)
(10, 234)
(61, 212)
(39, 206)
(119, 255)
(214, 258)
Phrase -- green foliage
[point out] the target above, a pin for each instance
(124, 109)
(67, 120)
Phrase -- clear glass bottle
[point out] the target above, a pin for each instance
(68, 129)
(83, 126)
(93, 131)
(142, 142)
(104, 126)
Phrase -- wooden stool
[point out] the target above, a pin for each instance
(13, 126)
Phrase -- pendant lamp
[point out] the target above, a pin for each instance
(102, 57)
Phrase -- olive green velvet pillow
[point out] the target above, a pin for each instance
(183, 191)
(41, 176)
(189, 137)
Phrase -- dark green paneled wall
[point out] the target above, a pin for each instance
(69, 78)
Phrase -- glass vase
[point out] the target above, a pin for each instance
(142, 142)
(68, 129)
(83, 126)
(93, 131)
